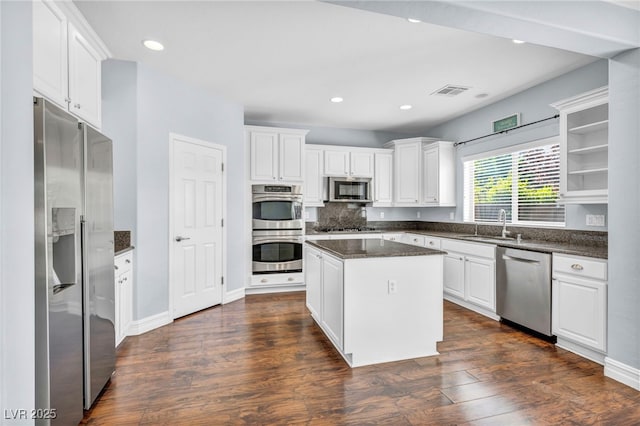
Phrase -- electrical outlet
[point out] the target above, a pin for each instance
(595, 220)
(452, 215)
(418, 214)
(306, 215)
(393, 286)
(381, 215)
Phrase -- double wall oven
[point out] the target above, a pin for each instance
(277, 228)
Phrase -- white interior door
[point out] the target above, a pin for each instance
(197, 209)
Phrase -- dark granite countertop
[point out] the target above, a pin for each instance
(569, 247)
(583, 246)
(367, 248)
(123, 250)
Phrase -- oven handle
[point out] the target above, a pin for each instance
(267, 240)
(260, 198)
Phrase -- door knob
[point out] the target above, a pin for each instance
(179, 238)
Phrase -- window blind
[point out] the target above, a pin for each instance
(525, 183)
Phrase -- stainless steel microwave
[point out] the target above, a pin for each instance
(350, 190)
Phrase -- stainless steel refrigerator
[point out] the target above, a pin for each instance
(74, 265)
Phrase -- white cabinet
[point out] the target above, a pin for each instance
(470, 275)
(383, 179)
(314, 181)
(579, 305)
(344, 162)
(438, 167)
(423, 172)
(325, 292)
(584, 126)
(50, 75)
(413, 239)
(276, 153)
(66, 63)
(407, 156)
(123, 294)
(313, 280)
(85, 78)
(332, 299)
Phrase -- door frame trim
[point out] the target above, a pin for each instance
(173, 138)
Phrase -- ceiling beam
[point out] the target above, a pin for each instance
(596, 28)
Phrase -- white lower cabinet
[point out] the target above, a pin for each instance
(324, 282)
(579, 305)
(123, 294)
(470, 275)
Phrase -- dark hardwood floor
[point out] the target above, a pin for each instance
(262, 360)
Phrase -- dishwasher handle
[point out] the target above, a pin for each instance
(520, 259)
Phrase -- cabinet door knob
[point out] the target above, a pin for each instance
(430, 243)
(127, 260)
(290, 279)
(264, 280)
(115, 267)
(577, 267)
(76, 106)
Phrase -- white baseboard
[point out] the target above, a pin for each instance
(232, 296)
(149, 323)
(274, 289)
(590, 354)
(478, 309)
(622, 373)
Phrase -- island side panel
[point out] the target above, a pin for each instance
(382, 326)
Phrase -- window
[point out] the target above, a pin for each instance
(525, 183)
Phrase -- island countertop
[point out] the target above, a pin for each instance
(368, 248)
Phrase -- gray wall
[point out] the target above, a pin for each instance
(533, 105)
(119, 118)
(165, 105)
(17, 352)
(624, 208)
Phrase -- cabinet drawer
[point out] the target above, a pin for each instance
(479, 250)
(123, 262)
(413, 239)
(580, 266)
(277, 279)
(432, 243)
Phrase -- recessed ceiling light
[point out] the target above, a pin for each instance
(337, 100)
(518, 41)
(413, 20)
(405, 107)
(482, 95)
(153, 45)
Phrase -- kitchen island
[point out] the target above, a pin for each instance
(376, 300)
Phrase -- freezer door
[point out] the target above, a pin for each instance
(98, 264)
(58, 273)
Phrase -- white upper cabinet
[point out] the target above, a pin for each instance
(407, 159)
(276, 154)
(424, 172)
(85, 81)
(336, 163)
(343, 162)
(50, 75)
(439, 173)
(67, 62)
(383, 179)
(584, 142)
(313, 180)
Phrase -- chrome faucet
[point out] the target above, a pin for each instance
(502, 216)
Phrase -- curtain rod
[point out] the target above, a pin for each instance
(506, 131)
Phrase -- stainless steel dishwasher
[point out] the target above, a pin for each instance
(523, 288)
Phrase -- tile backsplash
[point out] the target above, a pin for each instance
(341, 215)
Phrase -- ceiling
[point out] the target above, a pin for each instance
(284, 60)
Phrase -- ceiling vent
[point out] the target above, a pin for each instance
(450, 90)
